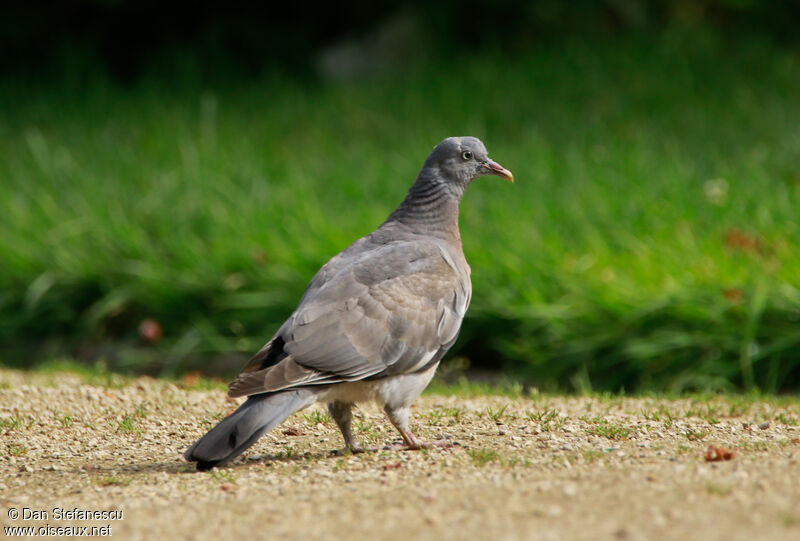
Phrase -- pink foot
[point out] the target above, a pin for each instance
(416, 445)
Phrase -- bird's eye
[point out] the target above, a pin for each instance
(467, 155)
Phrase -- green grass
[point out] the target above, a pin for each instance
(592, 455)
(316, 417)
(16, 449)
(128, 425)
(113, 481)
(548, 419)
(449, 416)
(481, 457)
(11, 423)
(648, 243)
(696, 435)
(601, 427)
(467, 388)
(222, 476)
(715, 489)
(496, 414)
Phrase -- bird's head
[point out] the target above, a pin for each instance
(461, 160)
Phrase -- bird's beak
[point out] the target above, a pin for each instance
(494, 168)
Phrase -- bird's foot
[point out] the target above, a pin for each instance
(417, 445)
(438, 444)
(349, 450)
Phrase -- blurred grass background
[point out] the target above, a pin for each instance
(649, 242)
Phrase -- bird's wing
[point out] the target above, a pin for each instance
(388, 310)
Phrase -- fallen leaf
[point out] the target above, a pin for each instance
(737, 240)
(258, 257)
(291, 431)
(189, 379)
(150, 330)
(227, 487)
(733, 294)
(392, 466)
(719, 454)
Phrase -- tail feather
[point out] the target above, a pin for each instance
(242, 428)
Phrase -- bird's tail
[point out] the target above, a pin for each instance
(242, 428)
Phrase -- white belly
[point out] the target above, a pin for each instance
(397, 391)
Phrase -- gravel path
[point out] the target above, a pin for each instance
(539, 467)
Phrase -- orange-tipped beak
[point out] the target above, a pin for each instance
(494, 168)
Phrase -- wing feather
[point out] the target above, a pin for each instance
(391, 309)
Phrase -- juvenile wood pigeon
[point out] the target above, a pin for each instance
(374, 322)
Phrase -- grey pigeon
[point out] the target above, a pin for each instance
(374, 322)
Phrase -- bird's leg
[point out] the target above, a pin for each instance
(399, 418)
(342, 413)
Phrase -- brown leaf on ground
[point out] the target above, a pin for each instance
(392, 466)
(733, 294)
(190, 378)
(737, 240)
(292, 431)
(259, 257)
(719, 454)
(150, 330)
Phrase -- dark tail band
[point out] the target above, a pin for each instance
(242, 428)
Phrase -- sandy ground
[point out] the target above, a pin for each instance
(539, 467)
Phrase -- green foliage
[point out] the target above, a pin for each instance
(467, 388)
(648, 243)
(97, 373)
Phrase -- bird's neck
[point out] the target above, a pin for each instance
(431, 208)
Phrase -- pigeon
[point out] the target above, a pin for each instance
(373, 323)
